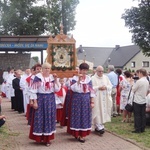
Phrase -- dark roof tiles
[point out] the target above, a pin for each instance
(98, 55)
(119, 57)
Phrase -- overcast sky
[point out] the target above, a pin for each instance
(99, 23)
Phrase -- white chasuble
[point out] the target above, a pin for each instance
(101, 112)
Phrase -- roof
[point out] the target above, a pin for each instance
(97, 55)
(122, 55)
(24, 38)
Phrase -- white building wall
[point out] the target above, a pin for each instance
(138, 59)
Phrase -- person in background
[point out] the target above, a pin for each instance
(81, 103)
(60, 98)
(140, 90)
(135, 76)
(125, 87)
(67, 102)
(113, 77)
(148, 77)
(4, 85)
(12, 92)
(2, 117)
(42, 91)
(29, 82)
(120, 78)
(0, 105)
(93, 72)
(8, 85)
(30, 111)
(24, 86)
(2, 120)
(101, 113)
(3, 89)
(18, 92)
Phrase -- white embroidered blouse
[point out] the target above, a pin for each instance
(44, 85)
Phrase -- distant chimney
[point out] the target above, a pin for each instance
(80, 49)
(117, 47)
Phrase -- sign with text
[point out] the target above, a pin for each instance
(24, 45)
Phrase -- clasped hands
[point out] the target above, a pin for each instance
(102, 88)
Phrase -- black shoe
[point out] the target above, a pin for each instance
(96, 130)
(114, 115)
(142, 131)
(101, 131)
(135, 131)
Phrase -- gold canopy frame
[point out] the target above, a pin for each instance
(61, 54)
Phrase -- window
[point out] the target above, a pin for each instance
(133, 64)
(145, 64)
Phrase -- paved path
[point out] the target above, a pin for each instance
(63, 141)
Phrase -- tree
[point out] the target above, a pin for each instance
(54, 16)
(25, 18)
(138, 21)
(68, 14)
(22, 18)
(62, 11)
(36, 58)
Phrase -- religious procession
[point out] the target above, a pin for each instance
(62, 91)
(80, 102)
(91, 94)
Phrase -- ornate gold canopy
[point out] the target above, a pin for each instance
(61, 54)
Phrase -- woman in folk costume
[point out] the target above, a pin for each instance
(29, 82)
(82, 101)
(30, 110)
(42, 93)
(66, 106)
(60, 98)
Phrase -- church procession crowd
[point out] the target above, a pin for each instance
(80, 103)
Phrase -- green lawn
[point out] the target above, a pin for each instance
(7, 138)
(124, 130)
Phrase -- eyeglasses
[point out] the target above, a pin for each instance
(100, 71)
(46, 68)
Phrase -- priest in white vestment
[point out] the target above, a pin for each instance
(101, 113)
